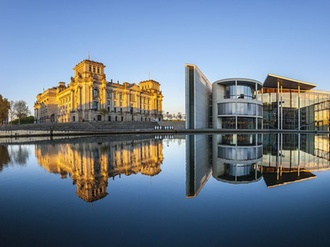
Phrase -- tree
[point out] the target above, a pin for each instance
(11, 113)
(4, 109)
(20, 110)
(179, 116)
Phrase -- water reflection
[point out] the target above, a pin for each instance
(293, 157)
(4, 157)
(20, 155)
(91, 164)
(278, 159)
(275, 159)
(15, 155)
(237, 157)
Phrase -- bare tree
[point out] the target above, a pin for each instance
(20, 110)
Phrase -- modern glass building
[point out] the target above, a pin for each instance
(293, 104)
(279, 103)
(235, 104)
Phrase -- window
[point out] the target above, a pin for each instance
(95, 105)
(95, 92)
(239, 92)
(246, 123)
(228, 123)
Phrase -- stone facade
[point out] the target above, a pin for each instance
(90, 97)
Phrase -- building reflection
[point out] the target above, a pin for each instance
(277, 159)
(237, 158)
(91, 164)
(293, 157)
(198, 163)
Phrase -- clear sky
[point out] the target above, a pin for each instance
(41, 41)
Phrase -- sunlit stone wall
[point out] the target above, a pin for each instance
(90, 97)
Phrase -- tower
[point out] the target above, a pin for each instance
(89, 86)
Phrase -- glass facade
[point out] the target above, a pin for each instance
(279, 103)
(250, 109)
(286, 110)
(240, 91)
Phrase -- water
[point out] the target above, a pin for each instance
(250, 190)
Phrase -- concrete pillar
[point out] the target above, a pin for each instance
(299, 122)
(278, 104)
(236, 105)
(299, 155)
(281, 107)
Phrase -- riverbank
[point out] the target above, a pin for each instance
(53, 130)
(88, 128)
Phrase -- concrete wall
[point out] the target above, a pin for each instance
(198, 95)
(218, 92)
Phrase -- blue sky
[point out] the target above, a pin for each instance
(41, 41)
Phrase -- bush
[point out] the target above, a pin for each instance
(24, 120)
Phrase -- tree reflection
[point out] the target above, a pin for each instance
(4, 157)
(20, 156)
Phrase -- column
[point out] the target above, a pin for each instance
(281, 96)
(257, 109)
(299, 108)
(278, 105)
(298, 154)
(236, 105)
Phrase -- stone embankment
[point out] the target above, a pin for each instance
(87, 128)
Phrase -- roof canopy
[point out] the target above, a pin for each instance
(271, 82)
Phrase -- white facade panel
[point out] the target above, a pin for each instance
(198, 95)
